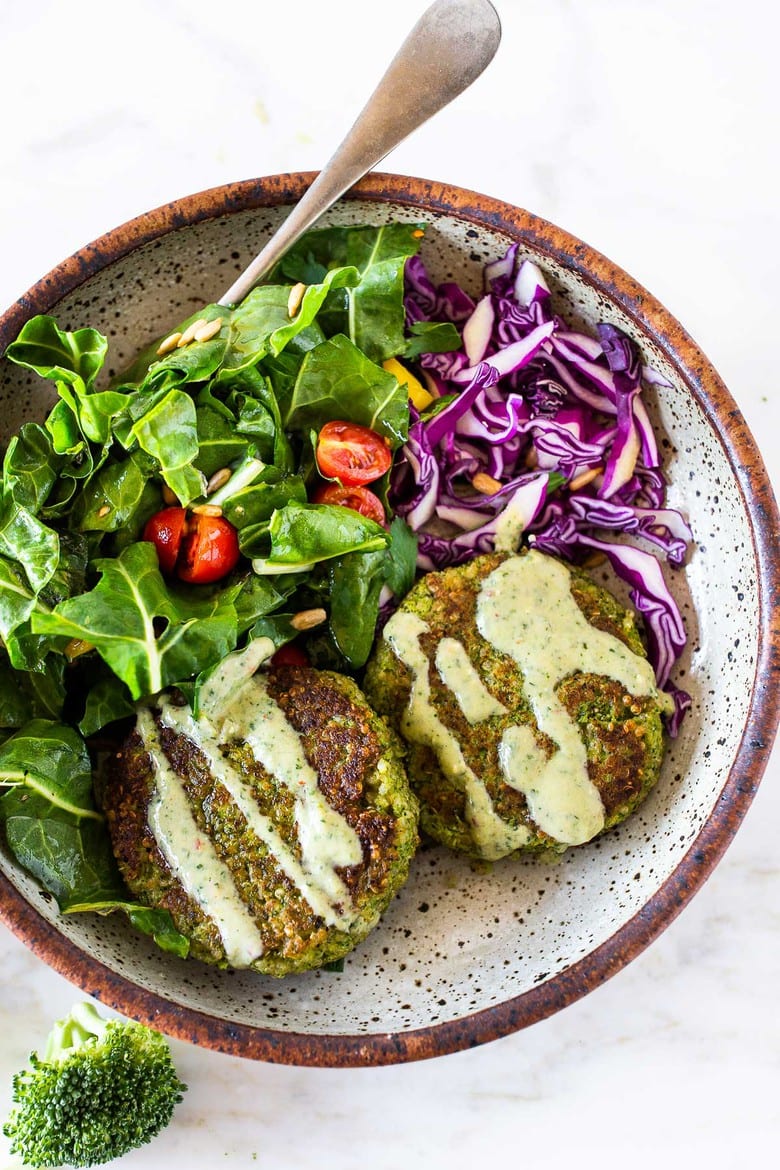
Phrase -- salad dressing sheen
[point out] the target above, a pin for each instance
(325, 838)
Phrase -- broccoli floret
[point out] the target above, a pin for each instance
(102, 1088)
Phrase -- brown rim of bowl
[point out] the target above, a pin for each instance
(715, 835)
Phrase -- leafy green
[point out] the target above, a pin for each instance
(30, 467)
(401, 558)
(108, 700)
(431, 337)
(168, 431)
(57, 834)
(26, 695)
(24, 538)
(78, 488)
(370, 312)
(50, 760)
(149, 636)
(310, 533)
(57, 355)
(337, 381)
(356, 581)
(121, 495)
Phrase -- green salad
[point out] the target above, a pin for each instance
(154, 525)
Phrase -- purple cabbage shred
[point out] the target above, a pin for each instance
(547, 423)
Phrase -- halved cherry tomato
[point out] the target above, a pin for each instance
(351, 453)
(290, 655)
(195, 548)
(360, 499)
(209, 550)
(164, 531)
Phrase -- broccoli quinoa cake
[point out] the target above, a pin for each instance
(530, 711)
(275, 834)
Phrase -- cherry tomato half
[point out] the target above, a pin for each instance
(195, 548)
(164, 531)
(290, 655)
(351, 453)
(209, 550)
(360, 499)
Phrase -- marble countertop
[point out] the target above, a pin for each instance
(645, 127)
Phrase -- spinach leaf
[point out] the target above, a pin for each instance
(55, 832)
(401, 558)
(261, 324)
(30, 467)
(150, 636)
(107, 700)
(371, 312)
(252, 399)
(50, 759)
(26, 695)
(337, 381)
(430, 337)
(168, 431)
(256, 504)
(58, 355)
(219, 443)
(25, 538)
(195, 362)
(260, 596)
(305, 534)
(356, 581)
(121, 495)
(17, 601)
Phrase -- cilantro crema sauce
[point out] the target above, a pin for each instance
(327, 842)
(525, 609)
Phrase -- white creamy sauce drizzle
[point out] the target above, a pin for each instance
(526, 610)
(327, 841)
(325, 837)
(457, 672)
(421, 724)
(191, 856)
(322, 888)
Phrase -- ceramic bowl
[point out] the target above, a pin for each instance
(461, 957)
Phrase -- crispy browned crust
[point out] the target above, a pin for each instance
(357, 759)
(622, 733)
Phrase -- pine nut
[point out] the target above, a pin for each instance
(531, 458)
(76, 647)
(171, 341)
(584, 478)
(104, 510)
(307, 619)
(295, 298)
(486, 484)
(594, 560)
(189, 333)
(207, 510)
(218, 480)
(209, 330)
(168, 496)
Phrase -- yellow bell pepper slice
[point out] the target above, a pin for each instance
(414, 388)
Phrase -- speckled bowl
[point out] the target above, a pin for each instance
(462, 957)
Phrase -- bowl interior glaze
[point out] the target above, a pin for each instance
(463, 955)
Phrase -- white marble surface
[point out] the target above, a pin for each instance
(649, 129)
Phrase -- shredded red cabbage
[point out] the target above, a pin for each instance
(551, 424)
